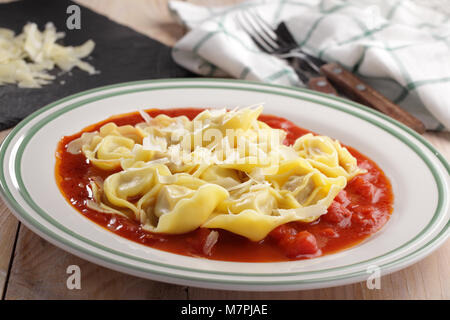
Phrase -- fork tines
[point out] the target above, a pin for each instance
(259, 31)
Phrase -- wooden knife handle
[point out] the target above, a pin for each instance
(321, 84)
(359, 91)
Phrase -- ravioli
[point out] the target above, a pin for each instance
(222, 169)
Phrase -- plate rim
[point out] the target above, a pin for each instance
(17, 209)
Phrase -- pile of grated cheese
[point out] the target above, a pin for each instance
(27, 58)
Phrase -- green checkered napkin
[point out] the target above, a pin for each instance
(400, 47)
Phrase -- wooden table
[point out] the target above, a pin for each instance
(32, 268)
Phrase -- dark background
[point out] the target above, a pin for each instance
(121, 54)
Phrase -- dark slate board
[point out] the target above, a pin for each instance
(121, 54)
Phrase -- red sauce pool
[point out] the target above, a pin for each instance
(360, 210)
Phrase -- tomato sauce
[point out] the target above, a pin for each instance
(358, 211)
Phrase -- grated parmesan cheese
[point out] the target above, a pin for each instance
(25, 59)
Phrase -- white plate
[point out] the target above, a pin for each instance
(419, 175)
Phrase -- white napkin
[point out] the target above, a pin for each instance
(401, 47)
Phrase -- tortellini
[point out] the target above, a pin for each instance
(327, 155)
(224, 169)
(181, 209)
(106, 148)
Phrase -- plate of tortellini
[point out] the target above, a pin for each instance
(227, 184)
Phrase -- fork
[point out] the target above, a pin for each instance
(269, 42)
(317, 74)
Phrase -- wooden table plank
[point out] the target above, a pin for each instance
(8, 230)
(38, 270)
